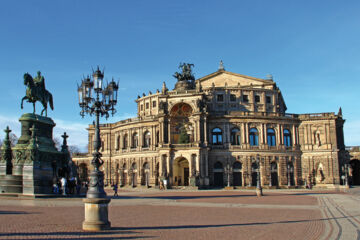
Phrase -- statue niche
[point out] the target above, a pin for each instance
(180, 127)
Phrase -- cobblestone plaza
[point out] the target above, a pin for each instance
(154, 214)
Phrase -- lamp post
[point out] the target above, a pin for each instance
(95, 98)
(228, 171)
(289, 171)
(345, 169)
(259, 192)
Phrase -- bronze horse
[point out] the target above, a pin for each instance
(36, 91)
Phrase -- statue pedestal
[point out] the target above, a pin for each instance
(37, 179)
(11, 184)
(36, 160)
(96, 214)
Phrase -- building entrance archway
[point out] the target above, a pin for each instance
(274, 174)
(355, 172)
(218, 175)
(181, 172)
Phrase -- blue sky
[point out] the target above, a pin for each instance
(310, 47)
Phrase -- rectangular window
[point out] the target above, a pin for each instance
(257, 98)
(147, 105)
(141, 107)
(232, 98)
(154, 103)
(268, 99)
(220, 97)
(245, 98)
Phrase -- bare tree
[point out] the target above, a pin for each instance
(57, 143)
(13, 139)
(74, 149)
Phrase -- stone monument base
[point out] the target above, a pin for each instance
(11, 184)
(96, 214)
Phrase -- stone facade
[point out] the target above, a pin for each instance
(216, 131)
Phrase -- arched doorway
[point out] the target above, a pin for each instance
(157, 168)
(145, 174)
(181, 172)
(117, 174)
(218, 175)
(237, 174)
(274, 174)
(133, 175)
(123, 175)
(254, 174)
(290, 173)
(83, 172)
(355, 171)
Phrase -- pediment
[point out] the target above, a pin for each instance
(222, 78)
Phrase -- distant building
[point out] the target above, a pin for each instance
(354, 155)
(211, 130)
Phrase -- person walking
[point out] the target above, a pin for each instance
(63, 185)
(165, 183)
(115, 189)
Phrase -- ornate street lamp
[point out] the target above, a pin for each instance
(95, 98)
(259, 192)
(228, 171)
(289, 171)
(345, 169)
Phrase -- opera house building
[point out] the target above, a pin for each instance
(222, 129)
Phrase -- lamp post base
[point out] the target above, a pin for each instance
(259, 192)
(96, 214)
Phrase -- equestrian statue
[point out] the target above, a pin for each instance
(36, 91)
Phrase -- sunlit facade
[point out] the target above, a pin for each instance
(213, 131)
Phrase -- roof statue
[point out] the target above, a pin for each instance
(186, 79)
(221, 66)
(186, 74)
(36, 91)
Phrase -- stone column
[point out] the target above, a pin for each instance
(205, 131)
(161, 132)
(281, 171)
(278, 134)
(169, 131)
(265, 134)
(294, 142)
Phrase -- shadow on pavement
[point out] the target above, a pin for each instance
(15, 212)
(174, 197)
(81, 234)
(224, 225)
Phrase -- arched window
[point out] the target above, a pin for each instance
(271, 137)
(157, 137)
(147, 137)
(117, 142)
(217, 136)
(125, 141)
(135, 140)
(254, 137)
(237, 166)
(218, 165)
(102, 145)
(235, 136)
(287, 138)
